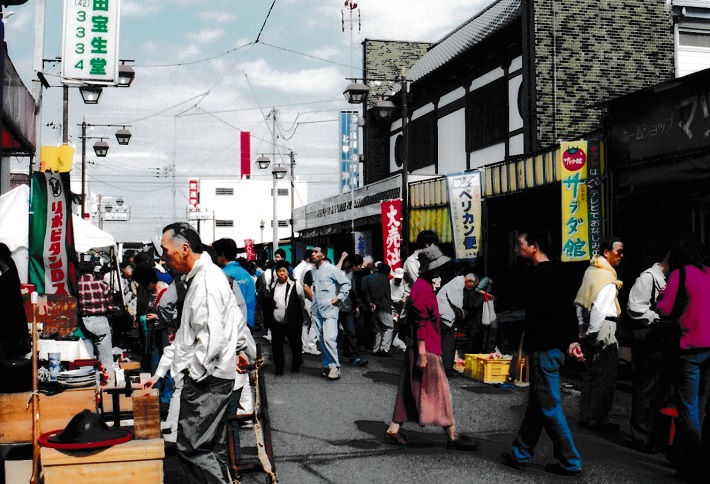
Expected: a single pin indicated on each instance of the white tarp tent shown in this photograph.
(14, 229)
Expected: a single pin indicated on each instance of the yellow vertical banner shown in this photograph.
(572, 163)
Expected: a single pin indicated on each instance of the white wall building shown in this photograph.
(240, 206)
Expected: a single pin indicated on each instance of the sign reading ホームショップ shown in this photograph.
(90, 41)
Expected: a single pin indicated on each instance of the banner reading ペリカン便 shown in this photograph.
(572, 164)
(465, 204)
(392, 232)
(52, 258)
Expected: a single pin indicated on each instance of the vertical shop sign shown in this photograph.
(90, 41)
(349, 173)
(465, 206)
(595, 159)
(363, 243)
(575, 213)
(249, 249)
(392, 232)
(52, 258)
(193, 192)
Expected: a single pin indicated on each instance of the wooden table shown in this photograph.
(135, 461)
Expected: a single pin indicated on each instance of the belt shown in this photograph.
(612, 318)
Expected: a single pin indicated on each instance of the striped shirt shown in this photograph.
(94, 296)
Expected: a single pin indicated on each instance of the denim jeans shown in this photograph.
(692, 390)
(544, 411)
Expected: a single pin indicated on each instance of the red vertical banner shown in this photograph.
(392, 232)
(249, 249)
(193, 192)
(245, 139)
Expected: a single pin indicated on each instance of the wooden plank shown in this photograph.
(145, 472)
(56, 412)
(133, 450)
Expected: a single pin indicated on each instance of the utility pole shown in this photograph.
(275, 194)
(293, 188)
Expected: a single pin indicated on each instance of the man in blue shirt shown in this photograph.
(226, 250)
(330, 288)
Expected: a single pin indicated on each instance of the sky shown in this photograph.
(201, 79)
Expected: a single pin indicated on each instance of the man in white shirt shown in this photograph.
(425, 238)
(211, 332)
(309, 333)
(651, 349)
(598, 313)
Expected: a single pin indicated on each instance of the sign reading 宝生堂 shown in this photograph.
(465, 203)
(90, 41)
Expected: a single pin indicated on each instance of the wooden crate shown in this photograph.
(135, 461)
(55, 412)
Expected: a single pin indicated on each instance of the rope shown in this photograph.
(258, 433)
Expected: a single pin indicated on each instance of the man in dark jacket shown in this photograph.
(379, 297)
(547, 336)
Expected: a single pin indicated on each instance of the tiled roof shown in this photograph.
(490, 20)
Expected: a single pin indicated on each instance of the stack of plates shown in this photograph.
(83, 377)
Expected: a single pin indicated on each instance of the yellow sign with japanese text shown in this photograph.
(572, 165)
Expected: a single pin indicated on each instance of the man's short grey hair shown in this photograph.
(184, 233)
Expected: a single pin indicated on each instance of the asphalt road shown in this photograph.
(331, 432)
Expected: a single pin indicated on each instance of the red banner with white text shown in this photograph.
(392, 232)
(249, 249)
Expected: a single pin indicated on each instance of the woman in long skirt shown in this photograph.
(424, 395)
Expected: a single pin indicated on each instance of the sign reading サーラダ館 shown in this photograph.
(90, 41)
(580, 166)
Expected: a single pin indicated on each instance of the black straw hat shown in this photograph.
(85, 427)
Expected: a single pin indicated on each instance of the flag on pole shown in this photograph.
(52, 256)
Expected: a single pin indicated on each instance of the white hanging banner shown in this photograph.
(90, 41)
(465, 204)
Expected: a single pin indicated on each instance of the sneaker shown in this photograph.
(511, 461)
(556, 468)
(358, 362)
(334, 373)
(267, 336)
(464, 443)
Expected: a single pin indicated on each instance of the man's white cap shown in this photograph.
(398, 273)
(471, 277)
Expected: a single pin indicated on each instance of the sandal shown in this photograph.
(395, 439)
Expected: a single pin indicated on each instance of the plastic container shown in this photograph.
(485, 369)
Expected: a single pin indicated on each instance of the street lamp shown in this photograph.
(126, 74)
(279, 172)
(101, 148)
(263, 162)
(262, 224)
(90, 94)
(355, 94)
(123, 136)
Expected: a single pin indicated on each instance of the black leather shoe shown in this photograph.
(463, 443)
(605, 427)
(395, 439)
(643, 447)
(556, 468)
(511, 461)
